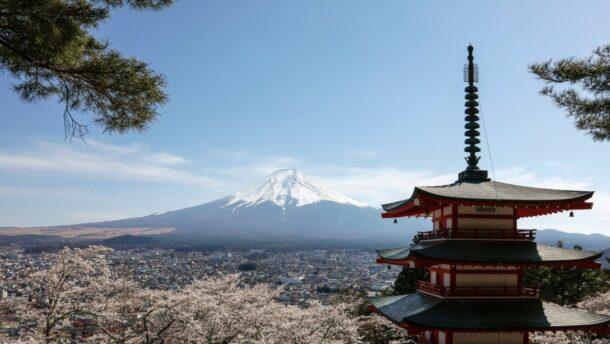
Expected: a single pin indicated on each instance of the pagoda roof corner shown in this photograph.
(487, 252)
(422, 311)
(488, 192)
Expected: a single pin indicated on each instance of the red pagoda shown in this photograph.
(476, 255)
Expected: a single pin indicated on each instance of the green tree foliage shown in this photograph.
(590, 107)
(416, 239)
(406, 281)
(48, 48)
(567, 286)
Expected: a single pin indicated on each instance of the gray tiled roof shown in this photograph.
(527, 313)
(477, 251)
(493, 191)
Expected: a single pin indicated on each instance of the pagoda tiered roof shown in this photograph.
(528, 201)
(488, 252)
(476, 254)
(418, 312)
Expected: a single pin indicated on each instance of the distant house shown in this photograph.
(3, 293)
(289, 281)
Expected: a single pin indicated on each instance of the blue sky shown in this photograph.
(365, 96)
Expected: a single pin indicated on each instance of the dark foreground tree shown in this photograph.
(47, 47)
(406, 281)
(589, 106)
(567, 286)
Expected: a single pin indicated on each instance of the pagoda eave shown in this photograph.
(419, 312)
(423, 207)
(527, 201)
(488, 253)
(414, 329)
(424, 262)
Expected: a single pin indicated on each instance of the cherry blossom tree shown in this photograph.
(598, 304)
(376, 329)
(72, 284)
(132, 314)
(215, 311)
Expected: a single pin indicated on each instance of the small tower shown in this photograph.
(476, 255)
(471, 75)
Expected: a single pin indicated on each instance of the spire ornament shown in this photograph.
(471, 76)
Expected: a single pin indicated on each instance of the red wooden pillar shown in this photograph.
(526, 337)
(454, 221)
(452, 279)
(449, 337)
(515, 231)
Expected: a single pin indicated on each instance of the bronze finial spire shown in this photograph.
(471, 75)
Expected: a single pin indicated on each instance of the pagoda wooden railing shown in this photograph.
(428, 287)
(527, 234)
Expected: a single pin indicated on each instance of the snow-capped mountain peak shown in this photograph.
(288, 187)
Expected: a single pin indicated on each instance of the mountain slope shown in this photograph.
(595, 242)
(287, 205)
(288, 188)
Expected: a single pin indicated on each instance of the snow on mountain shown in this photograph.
(286, 207)
(288, 187)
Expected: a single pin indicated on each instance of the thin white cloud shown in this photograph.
(586, 221)
(107, 147)
(375, 186)
(255, 168)
(520, 175)
(24, 192)
(228, 153)
(97, 216)
(362, 153)
(98, 160)
(370, 185)
(142, 152)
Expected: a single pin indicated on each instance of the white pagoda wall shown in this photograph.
(486, 280)
(484, 223)
(472, 210)
(470, 223)
(442, 337)
(486, 338)
(466, 218)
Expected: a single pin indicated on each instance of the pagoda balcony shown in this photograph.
(435, 289)
(525, 234)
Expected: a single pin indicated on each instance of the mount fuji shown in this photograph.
(286, 209)
(287, 206)
(286, 188)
